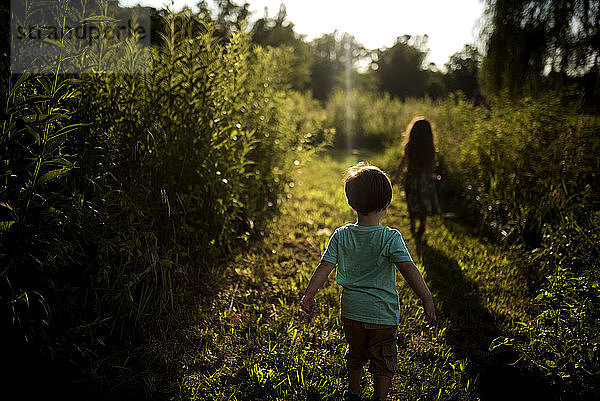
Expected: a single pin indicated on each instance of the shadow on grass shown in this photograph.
(530, 272)
(146, 369)
(470, 330)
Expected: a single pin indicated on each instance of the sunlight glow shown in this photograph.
(349, 116)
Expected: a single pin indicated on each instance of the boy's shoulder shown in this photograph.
(345, 227)
(393, 230)
(388, 231)
(392, 233)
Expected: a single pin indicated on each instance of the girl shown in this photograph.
(419, 158)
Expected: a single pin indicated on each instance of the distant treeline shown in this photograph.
(530, 48)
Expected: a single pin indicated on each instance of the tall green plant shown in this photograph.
(118, 187)
(44, 211)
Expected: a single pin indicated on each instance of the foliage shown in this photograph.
(118, 189)
(462, 71)
(521, 162)
(527, 38)
(400, 67)
(435, 83)
(43, 207)
(370, 119)
(333, 54)
(563, 340)
(228, 17)
(280, 32)
(486, 177)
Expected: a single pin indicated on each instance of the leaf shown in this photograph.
(65, 130)
(60, 161)
(99, 18)
(31, 129)
(55, 43)
(6, 205)
(50, 175)
(5, 225)
(22, 78)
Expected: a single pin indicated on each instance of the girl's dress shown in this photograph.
(421, 195)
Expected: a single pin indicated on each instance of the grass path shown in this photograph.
(249, 341)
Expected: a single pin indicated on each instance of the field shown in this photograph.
(157, 229)
(245, 337)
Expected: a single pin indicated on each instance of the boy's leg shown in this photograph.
(382, 386)
(354, 377)
(355, 356)
(383, 354)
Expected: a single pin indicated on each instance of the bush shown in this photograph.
(118, 189)
(512, 167)
(372, 120)
(563, 340)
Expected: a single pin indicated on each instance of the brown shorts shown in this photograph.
(375, 343)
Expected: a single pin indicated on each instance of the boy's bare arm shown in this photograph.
(316, 281)
(413, 277)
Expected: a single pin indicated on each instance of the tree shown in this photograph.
(435, 85)
(462, 70)
(228, 17)
(278, 32)
(332, 54)
(400, 67)
(528, 40)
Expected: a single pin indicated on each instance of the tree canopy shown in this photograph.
(400, 67)
(331, 54)
(279, 31)
(228, 16)
(530, 39)
(462, 70)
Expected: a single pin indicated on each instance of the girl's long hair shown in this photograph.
(419, 145)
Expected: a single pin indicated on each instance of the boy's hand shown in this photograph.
(316, 281)
(429, 312)
(308, 303)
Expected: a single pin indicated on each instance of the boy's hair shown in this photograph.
(368, 189)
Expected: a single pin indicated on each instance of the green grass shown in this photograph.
(248, 340)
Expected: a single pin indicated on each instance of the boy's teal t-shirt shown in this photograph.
(365, 257)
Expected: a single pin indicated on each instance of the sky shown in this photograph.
(450, 24)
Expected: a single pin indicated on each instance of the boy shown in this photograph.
(365, 254)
